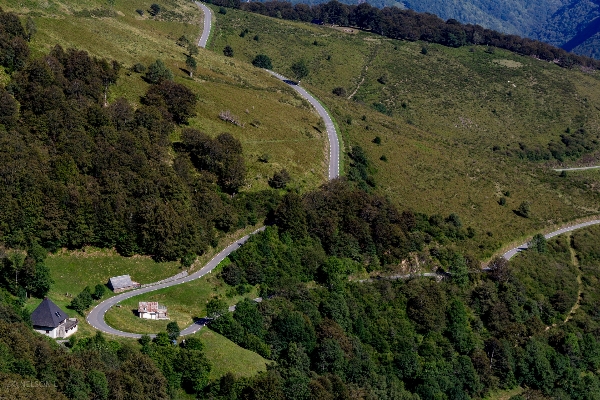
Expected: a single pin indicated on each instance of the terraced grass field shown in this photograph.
(451, 121)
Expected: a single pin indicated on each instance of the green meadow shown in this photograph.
(227, 357)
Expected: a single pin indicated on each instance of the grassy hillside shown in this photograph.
(221, 83)
(226, 356)
(450, 121)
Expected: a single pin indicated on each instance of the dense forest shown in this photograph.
(397, 23)
(458, 338)
(77, 170)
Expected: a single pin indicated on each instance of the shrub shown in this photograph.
(158, 71)
(538, 243)
(222, 10)
(228, 51)
(99, 290)
(339, 91)
(381, 108)
(188, 260)
(141, 12)
(377, 140)
(154, 9)
(139, 68)
(183, 41)
(524, 209)
(299, 69)
(179, 101)
(262, 61)
(280, 179)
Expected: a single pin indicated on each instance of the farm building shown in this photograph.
(152, 310)
(48, 319)
(121, 283)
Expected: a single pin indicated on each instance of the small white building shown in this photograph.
(152, 310)
(121, 283)
(48, 319)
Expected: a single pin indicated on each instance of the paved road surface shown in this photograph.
(576, 169)
(334, 145)
(96, 317)
(207, 24)
(511, 253)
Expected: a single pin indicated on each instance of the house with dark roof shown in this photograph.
(48, 319)
(121, 283)
(152, 310)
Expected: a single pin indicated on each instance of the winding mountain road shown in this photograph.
(207, 24)
(96, 317)
(332, 135)
(512, 252)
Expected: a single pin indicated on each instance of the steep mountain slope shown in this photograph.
(511, 16)
(459, 129)
(575, 27)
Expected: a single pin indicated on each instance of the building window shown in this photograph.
(47, 332)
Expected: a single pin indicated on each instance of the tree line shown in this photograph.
(406, 24)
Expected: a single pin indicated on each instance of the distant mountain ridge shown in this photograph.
(571, 24)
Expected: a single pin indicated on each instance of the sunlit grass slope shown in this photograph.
(450, 121)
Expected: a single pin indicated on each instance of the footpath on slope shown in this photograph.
(575, 263)
(576, 168)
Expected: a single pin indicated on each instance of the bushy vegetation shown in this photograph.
(24, 273)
